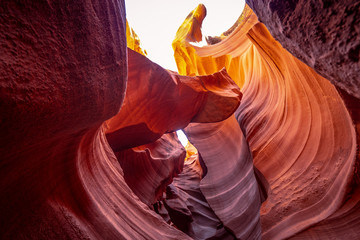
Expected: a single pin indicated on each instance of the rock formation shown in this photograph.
(64, 72)
(299, 130)
(159, 101)
(88, 149)
(230, 185)
(323, 34)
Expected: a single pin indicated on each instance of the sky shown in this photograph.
(157, 21)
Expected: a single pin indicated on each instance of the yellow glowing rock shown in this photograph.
(133, 41)
(190, 150)
(299, 130)
(192, 60)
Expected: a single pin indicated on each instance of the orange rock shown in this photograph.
(298, 128)
(149, 168)
(64, 173)
(63, 73)
(156, 102)
(159, 101)
(323, 35)
(133, 41)
(229, 186)
(187, 207)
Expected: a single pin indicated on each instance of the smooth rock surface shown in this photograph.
(83, 158)
(298, 128)
(159, 101)
(186, 205)
(230, 185)
(63, 71)
(323, 34)
(149, 168)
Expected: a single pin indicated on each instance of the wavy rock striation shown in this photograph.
(156, 102)
(87, 143)
(344, 222)
(298, 128)
(63, 73)
(323, 34)
(149, 168)
(186, 205)
(230, 186)
(159, 101)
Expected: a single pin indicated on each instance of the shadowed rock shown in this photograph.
(323, 34)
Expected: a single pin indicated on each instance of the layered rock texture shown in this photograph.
(323, 34)
(63, 73)
(88, 145)
(297, 125)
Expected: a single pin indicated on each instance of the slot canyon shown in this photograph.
(271, 109)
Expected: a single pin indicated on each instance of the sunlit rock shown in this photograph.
(87, 127)
(64, 69)
(159, 101)
(133, 41)
(323, 34)
(299, 130)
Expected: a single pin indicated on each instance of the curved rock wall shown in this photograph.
(159, 101)
(63, 73)
(230, 186)
(186, 205)
(299, 130)
(323, 34)
(85, 157)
